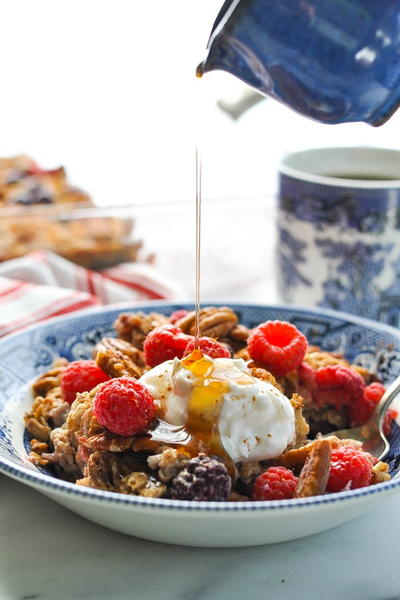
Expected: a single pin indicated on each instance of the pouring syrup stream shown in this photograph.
(200, 433)
(198, 247)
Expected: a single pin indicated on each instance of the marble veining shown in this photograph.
(49, 553)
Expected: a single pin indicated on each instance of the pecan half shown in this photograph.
(50, 379)
(134, 327)
(314, 475)
(38, 428)
(214, 322)
(118, 358)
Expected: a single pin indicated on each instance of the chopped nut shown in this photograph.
(134, 482)
(102, 471)
(48, 409)
(37, 459)
(59, 413)
(64, 452)
(380, 473)
(314, 475)
(168, 463)
(38, 446)
(141, 484)
(301, 426)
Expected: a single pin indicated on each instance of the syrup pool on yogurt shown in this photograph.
(216, 406)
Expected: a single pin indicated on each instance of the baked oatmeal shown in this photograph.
(40, 209)
(237, 416)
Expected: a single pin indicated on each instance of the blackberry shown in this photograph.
(203, 478)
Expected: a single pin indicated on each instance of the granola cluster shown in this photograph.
(69, 439)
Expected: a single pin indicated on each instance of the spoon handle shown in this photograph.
(386, 400)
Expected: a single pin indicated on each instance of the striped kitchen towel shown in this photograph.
(41, 285)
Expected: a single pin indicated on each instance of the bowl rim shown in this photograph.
(44, 481)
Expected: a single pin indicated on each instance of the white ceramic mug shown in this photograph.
(339, 230)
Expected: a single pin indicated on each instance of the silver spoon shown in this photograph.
(371, 433)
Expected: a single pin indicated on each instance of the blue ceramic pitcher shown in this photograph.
(331, 60)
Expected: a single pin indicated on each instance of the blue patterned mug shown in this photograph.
(339, 231)
(332, 60)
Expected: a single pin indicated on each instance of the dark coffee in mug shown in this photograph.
(361, 176)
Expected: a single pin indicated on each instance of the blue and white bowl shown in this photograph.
(25, 355)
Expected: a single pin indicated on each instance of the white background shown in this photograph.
(107, 88)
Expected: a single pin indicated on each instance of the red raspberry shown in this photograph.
(374, 392)
(178, 314)
(306, 378)
(124, 406)
(337, 386)
(80, 376)
(164, 343)
(278, 346)
(351, 468)
(277, 483)
(210, 347)
(361, 410)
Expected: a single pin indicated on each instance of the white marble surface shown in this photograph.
(49, 553)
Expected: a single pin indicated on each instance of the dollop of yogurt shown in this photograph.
(253, 419)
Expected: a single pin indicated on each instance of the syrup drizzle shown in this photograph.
(198, 247)
(200, 432)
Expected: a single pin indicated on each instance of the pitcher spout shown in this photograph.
(229, 54)
(333, 62)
